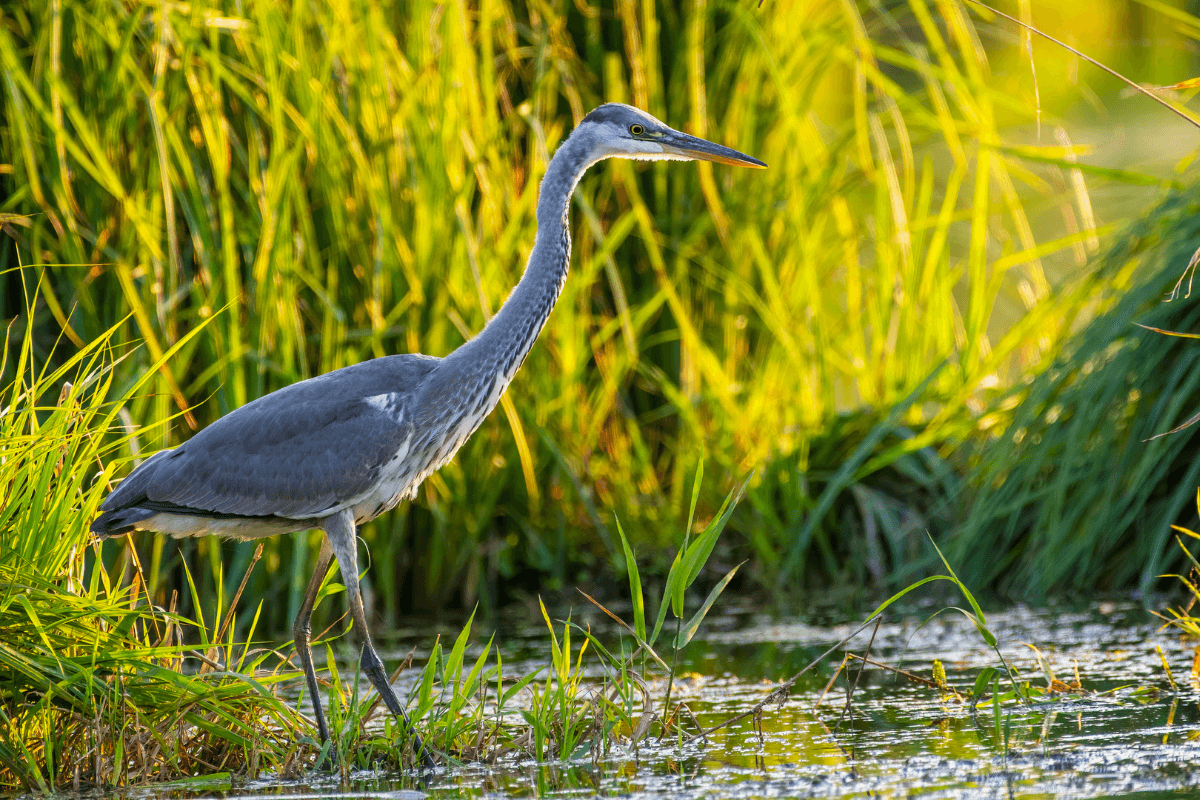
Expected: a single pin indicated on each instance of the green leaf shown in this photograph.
(556, 653)
(519, 685)
(674, 579)
(600, 648)
(454, 659)
(679, 588)
(981, 682)
(425, 688)
(217, 730)
(697, 554)
(996, 706)
(468, 685)
(689, 630)
(979, 620)
(215, 781)
(635, 585)
(690, 560)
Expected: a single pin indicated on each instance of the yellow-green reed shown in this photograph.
(93, 693)
(1082, 487)
(322, 183)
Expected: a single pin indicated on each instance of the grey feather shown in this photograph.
(294, 453)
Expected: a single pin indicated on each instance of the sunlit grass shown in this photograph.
(94, 691)
(103, 688)
(257, 193)
(329, 183)
(1079, 490)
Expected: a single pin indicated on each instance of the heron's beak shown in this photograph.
(702, 150)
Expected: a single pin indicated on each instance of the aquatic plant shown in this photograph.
(92, 687)
(105, 691)
(100, 687)
(1183, 618)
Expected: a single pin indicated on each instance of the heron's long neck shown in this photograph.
(503, 344)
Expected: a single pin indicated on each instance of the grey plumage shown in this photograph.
(297, 454)
(337, 450)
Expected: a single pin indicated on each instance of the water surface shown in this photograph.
(1129, 734)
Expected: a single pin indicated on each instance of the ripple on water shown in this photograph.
(897, 739)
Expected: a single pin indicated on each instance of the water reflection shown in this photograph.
(1129, 735)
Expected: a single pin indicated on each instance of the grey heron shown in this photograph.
(338, 450)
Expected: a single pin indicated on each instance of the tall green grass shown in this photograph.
(92, 687)
(323, 183)
(1080, 491)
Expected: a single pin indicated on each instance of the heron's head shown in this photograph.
(621, 131)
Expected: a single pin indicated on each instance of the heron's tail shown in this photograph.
(118, 521)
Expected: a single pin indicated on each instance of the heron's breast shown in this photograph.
(457, 425)
(470, 418)
(397, 480)
(428, 449)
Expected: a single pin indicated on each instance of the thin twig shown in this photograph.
(238, 594)
(217, 665)
(832, 679)
(216, 642)
(625, 625)
(905, 673)
(1191, 268)
(858, 676)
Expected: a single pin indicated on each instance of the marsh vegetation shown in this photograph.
(919, 326)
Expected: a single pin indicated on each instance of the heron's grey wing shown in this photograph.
(300, 452)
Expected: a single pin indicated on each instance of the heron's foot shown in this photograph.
(372, 666)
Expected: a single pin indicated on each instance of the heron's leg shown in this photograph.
(340, 531)
(302, 631)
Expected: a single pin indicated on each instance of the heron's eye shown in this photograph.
(637, 130)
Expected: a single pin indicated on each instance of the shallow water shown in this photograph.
(1130, 735)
